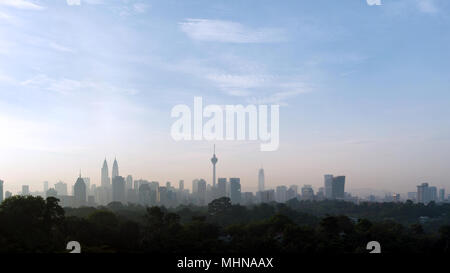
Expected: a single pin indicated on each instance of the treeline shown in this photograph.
(31, 224)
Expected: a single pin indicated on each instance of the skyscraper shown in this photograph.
(281, 194)
(45, 186)
(115, 169)
(181, 185)
(338, 187)
(118, 189)
(441, 195)
(79, 192)
(423, 193)
(1, 191)
(235, 190)
(261, 180)
(328, 186)
(214, 160)
(105, 175)
(221, 187)
(201, 192)
(25, 190)
(129, 184)
(61, 188)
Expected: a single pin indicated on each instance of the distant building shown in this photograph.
(129, 182)
(442, 195)
(79, 191)
(396, 197)
(61, 188)
(267, 196)
(87, 182)
(235, 190)
(307, 193)
(281, 194)
(8, 194)
(51, 193)
(115, 169)
(106, 182)
(147, 195)
(247, 198)
(118, 189)
(1, 191)
(426, 194)
(201, 192)
(261, 181)
(25, 190)
(181, 185)
(412, 196)
(45, 186)
(221, 187)
(328, 186)
(338, 187)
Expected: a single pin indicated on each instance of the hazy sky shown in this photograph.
(363, 87)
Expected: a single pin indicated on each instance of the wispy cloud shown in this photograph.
(230, 32)
(73, 2)
(373, 2)
(21, 4)
(427, 6)
(69, 86)
(61, 48)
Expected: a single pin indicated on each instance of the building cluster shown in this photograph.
(116, 188)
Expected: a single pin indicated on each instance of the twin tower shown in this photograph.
(106, 180)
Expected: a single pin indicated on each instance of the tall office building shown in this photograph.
(61, 188)
(118, 189)
(129, 182)
(201, 192)
(441, 195)
(115, 169)
(221, 187)
(87, 182)
(261, 180)
(1, 191)
(235, 190)
(338, 187)
(25, 190)
(181, 185)
(328, 186)
(45, 186)
(281, 194)
(79, 192)
(105, 175)
(214, 160)
(307, 193)
(423, 193)
(433, 194)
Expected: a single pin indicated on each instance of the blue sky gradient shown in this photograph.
(363, 87)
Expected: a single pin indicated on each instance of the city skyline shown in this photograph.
(362, 89)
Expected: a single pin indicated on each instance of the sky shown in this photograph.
(363, 89)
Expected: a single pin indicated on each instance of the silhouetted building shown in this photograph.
(129, 182)
(328, 186)
(281, 194)
(221, 187)
(61, 188)
(338, 187)
(201, 192)
(235, 190)
(115, 169)
(8, 194)
(214, 160)
(441, 195)
(51, 193)
(25, 190)
(1, 191)
(261, 182)
(79, 190)
(106, 182)
(307, 193)
(118, 189)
